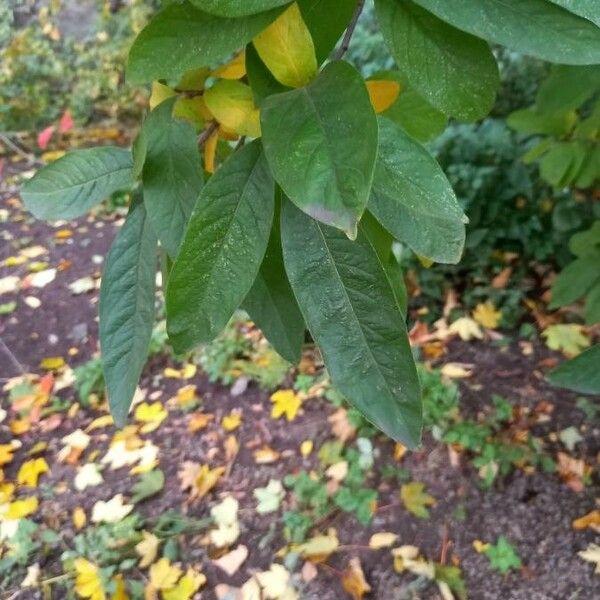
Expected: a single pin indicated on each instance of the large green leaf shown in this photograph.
(581, 374)
(237, 8)
(413, 199)
(127, 309)
(321, 143)
(261, 80)
(589, 9)
(172, 174)
(181, 37)
(592, 303)
(575, 280)
(568, 87)
(223, 248)
(70, 186)
(326, 20)
(456, 72)
(271, 303)
(535, 27)
(352, 314)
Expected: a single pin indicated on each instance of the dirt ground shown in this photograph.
(534, 511)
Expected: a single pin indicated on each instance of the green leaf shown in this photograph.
(172, 174)
(586, 243)
(353, 316)
(412, 112)
(413, 199)
(415, 499)
(580, 374)
(223, 248)
(584, 8)
(326, 24)
(534, 27)
(321, 144)
(261, 80)
(567, 87)
(127, 309)
(456, 72)
(271, 303)
(568, 338)
(237, 8)
(70, 186)
(533, 121)
(181, 38)
(575, 280)
(149, 484)
(502, 556)
(561, 164)
(592, 303)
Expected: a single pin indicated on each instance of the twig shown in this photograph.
(207, 133)
(339, 53)
(8, 142)
(12, 358)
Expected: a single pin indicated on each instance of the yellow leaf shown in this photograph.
(120, 589)
(52, 362)
(276, 583)
(30, 471)
(306, 447)
(232, 421)
(79, 518)
(187, 372)
(382, 93)
(6, 453)
(569, 339)
(318, 548)
(100, 423)
(234, 69)
(160, 93)
(353, 580)
(6, 492)
(592, 554)
(416, 500)
(466, 328)
(163, 575)
(266, 455)
(207, 479)
(187, 586)
(383, 539)
(20, 426)
(150, 414)
(232, 104)
(88, 583)
(210, 152)
(112, 511)
(479, 546)
(487, 315)
(186, 396)
(286, 47)
(20, 508)
(285, 402)
(455, 371)
(147, 549)
(198, 421)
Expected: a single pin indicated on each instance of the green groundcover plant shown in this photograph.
(295, 219)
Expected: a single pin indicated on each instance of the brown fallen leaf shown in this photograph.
(592, 519)
(341, 426)
(353, 580)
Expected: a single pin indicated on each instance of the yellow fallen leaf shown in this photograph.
(19, 509)
(198, 421)
(87, 476)
(592, 554)
(150, 414)
(79, 518)
(353, 580)
(306, 447)
(6, 453)
(30, 471)
(147, 549)
(186, 372)
(234, 69)
(186, 587)
(88, 583)
(20, 426)
(479, 546)
(232, 421)
(225, 518)
(164, 575)
(319, 548)
(285, 402)
(232, 105)
(52, 363)
(455, 371)
(415, 499)
(382, 93)
(120, 588)
(592, 519)
(100, 423)
(287, 49)
(112, 511)
(276, 583)
(383, 539)
(7, 491)
(487, 315)
(207, 479)
(466, 328)
(266, 456)
(186, 396)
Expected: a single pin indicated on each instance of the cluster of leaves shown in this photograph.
(43, 71)
(566, 115)
(297, 224)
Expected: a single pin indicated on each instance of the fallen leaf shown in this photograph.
(30, 471)
(52, 363)
(79, 518)
(353, 580)
(592, 554)
(269, 497)
(87, 476)
(112, 511)
(592, 519)
(341, 426)
(225, 518)
(9, 285)
(383, 539)
(147, 549)
(150, 414)
(487, 315)
(266, 456)
(186, 587)
(232, 561)
(88, 583)
(415, 499)
(232, 421)
(41, 279)
(456, 370)
(466, 328)
(569, 339)
(276, 583)
(285, 402)
(319, 548)
(164, 575)
(19, 508)
(198, 421)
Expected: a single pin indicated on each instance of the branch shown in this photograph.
(207, 133)
(339, 53)
(11, 357)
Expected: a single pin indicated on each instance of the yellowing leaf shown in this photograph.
(210, 151)
(415, 499)
(30, 471)
(79, 518)
(186, 587)
(286, 47)
(147, 549)
(198, 421)
(232, 105)
(234, 69)
(52, 362)
(164, 575)
(382, 93)
(206, 480)
(285, 402)
(479, 546)
(19, 509)
(569, 339)
(112, 511)
(382, 540)
(353, 580)
(487, 315)
(120, 589)
(88, 583)
(466, 328)
(232, 421)
(160, 93)
(150, 414)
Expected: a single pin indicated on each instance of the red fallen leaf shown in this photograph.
(43, 138)
(51, 423)
(419, 334)
(66, 122)
(46, 383)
